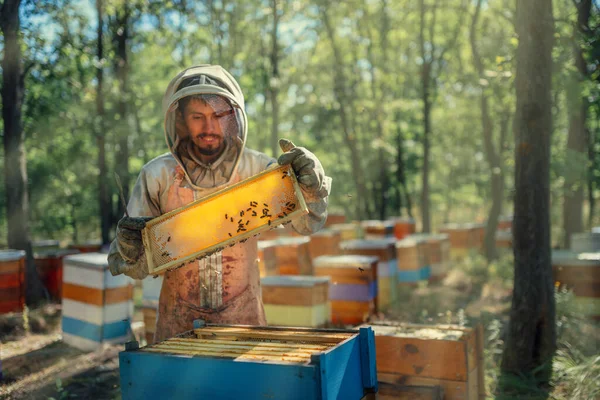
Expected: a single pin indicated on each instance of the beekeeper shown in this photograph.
(205, 129)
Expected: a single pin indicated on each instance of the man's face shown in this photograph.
(208, 122)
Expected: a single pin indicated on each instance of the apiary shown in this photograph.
(385, 251)
(151, 288)
(348, 231)
(96, 307)
(446, 356)
(291, 256)
(296, 300)
(353, 289)
(326, 242)
(246, 362)
(579, 272)
(233, 214)
(12, 281)
(403, 227)
(49, 265)
(375, 229)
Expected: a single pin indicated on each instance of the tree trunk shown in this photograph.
(492, 154)
(400, 167)
(274, 83)
(577, 137)
(426, 99)
(15, 162)
(122, 71)
(531, 335)
(103, 193)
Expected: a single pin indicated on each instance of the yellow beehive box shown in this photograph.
(222, 219)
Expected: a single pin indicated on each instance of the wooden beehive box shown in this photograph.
(222, 219)
(267, 261)
(504, 239)
(246, 362)
(413, 264)
(375, 229)
(505, 223)
(348, 231)
(296, 300)
(463, 238)
(12, 281)
(579, 272)
(437, 255)
(403, 227)
(335, 218)
(325, 242)
(353, 291)
(587, 242)
(97, 307)
(291, 254)
(49, 265)
(447, 356)
(385, 251)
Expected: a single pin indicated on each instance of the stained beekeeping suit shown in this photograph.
(205, 130)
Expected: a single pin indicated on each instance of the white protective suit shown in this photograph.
(225, 287)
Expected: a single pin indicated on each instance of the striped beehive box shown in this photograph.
(325, 242)
(296, 300)
(150, 295)
(437, 247)
(292, 256)
(252, 363)
(12, 281)
(335, 218)
(375, 229)
(446, 356)
(579, 272)
(385, 251)
(49, 265)
(413, 262)
(403, 227)
(349, 231)
(587, 242)
(353, 289)
(267, 261)
(96, 307)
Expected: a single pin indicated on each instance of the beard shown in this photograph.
(209, 149)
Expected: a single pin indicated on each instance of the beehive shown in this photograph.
(385, 251)
(581, 273)
(49, 265)
(421, 355)
(504, 239)
(296, 300)
(505, 223)
(325, 242)
(267, 260)
(244, 362)
(12, 281)
(437, 248)
(151, 288)
(353, 289)
(403, 227)
(587, 242)
(413, 262)
(335, 218)
(96, 306)
(464, 238)
(291, 256)
(349, 231)
(222, 219)
(375, 229)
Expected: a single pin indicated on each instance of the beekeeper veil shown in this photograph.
(204, 116)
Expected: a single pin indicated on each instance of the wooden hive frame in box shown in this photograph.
(249, 362)
(222, 219)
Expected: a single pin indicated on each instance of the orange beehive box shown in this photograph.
(448, 356)
(403, 227)
(222, 219)
(324, 242)
(12, 281)
(49, 265)
(335, 218)
(267, 260)
(291, 256)
(375, 229)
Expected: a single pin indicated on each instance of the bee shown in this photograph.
(225, 216)
(360, 269)
(165, 254)
(230, 235)
(242, 213)
(269, 222)
(266, 205)
(169, 239)
(254, 214)
(231, 219)
(249, 209)
(247, 222)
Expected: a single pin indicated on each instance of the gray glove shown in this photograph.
(129, 238)
(307, 167)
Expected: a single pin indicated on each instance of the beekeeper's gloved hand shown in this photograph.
(129, 238)
(307, 167)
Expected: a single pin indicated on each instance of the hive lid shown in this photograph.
(11, 255)
(344, 261)
(55, 253)
(419, 332)
(363, 244)
(293, 280)
(571, 258)
(88, 260)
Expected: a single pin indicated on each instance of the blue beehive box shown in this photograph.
(249, 362)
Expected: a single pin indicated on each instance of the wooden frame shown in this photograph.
(151, 249)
